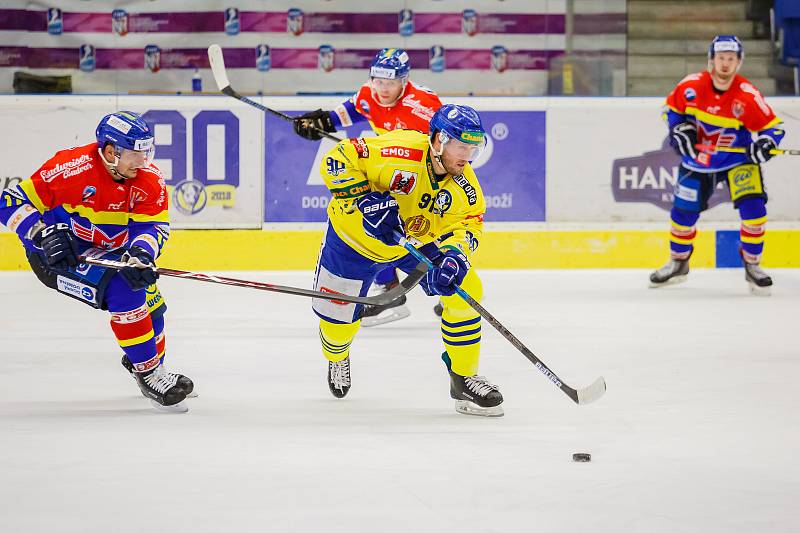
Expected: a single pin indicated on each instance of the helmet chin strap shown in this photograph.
(438, 155)
(112, 167)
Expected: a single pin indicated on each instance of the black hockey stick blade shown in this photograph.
(386, 298)
(217, 62)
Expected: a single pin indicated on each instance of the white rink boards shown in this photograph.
(698, 430)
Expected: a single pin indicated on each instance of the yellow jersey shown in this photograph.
(449, 210)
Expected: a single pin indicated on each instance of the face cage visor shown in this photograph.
(465, 151)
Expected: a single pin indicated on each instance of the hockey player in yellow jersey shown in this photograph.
(419, 186)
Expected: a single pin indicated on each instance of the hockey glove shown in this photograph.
(58, 245)
(381, 217)
(758, 152)
(447, 272)
(683, 137)
(139, 272)
(307, 125)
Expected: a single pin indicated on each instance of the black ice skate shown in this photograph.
(339, 377)
(474, 395)
(184, 382)
(673, 272)
(759, 281)
(162, 388)
(375, 315)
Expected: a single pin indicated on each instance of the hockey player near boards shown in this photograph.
(420, 186)
(389, 101)
(719, 108)
(105, 199)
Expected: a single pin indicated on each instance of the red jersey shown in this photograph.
(74, 187)
(413, 110)
(728, 118)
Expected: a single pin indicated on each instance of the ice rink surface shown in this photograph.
(699, 429)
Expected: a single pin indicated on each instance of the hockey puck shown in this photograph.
(581, 457)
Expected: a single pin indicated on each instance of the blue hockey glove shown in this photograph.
(758, 152)
(683, 137)
(58, 246)
(448, 271)
(140, 272)
(381, 217)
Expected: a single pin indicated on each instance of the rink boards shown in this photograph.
(569, 182)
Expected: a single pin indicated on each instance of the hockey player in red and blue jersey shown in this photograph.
(105, 199)
(706, 112)
(389, 101)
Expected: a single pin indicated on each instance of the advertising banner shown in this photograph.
(511, 170)
(208, 150)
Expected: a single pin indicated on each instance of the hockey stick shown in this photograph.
(379, 299)
(776, 151)
(579, 396)
(217, 63)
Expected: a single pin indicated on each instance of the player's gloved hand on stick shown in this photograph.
(307, 125)
(758, 152)
(447, 272)
(140, 272)
(381, 217)
(58, 245)
(683, 137)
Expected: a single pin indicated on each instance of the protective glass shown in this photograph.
(137, 158)
(461, 150)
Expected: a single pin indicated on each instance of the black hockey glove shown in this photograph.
(307, 125)
(58, 245)
(140, 271)
(758, 152)
(683, 137)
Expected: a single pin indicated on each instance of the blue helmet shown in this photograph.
(726, 43)
(458, 122)
(390, 63)
(125, 129)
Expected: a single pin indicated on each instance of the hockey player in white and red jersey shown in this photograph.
(705, 112)
(389, 101)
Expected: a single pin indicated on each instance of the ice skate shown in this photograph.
(759, 281)
(672, 273)
(474, 395)
(183, 381)
(339, 377)
(162, 388)
(374, 315)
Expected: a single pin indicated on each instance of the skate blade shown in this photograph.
(675, 280)
(179, 407)
(390, 315)
(192, 395)
(468, 408)
(755, 290)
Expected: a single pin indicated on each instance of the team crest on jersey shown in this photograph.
(737, 108)
(361, 147)
(403, 182)
(364, 106)
(97, 236)
(417, 225)
(334, 166)
(689, 93)
(442, 202)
